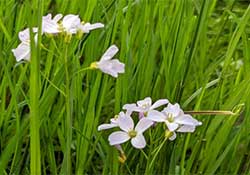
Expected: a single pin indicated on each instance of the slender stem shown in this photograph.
(209, 112)
(156, 153)
(68, 116)
(183, 156)
(83, 69)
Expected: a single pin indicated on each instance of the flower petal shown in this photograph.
(49, 26)
(131, 108)
(87, 27)
(159, 103)
(186, 128)
(172, 126)
(111, 67)
(118, 137)
(143, 125)
(106, 126)
(145, 102)
(187, 119)
(71, 23)
(22, 52)
(24, 35)
(175, 109)
(156, 116)
(57, 17)
(110, 52)
(173, 137)
(126, 123)
(138, 141)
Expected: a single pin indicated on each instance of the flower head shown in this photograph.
(128, 132)
(108, 65)
(175, 119)
(71, 23)
(22, 52)
(145, 105)
(50, 25)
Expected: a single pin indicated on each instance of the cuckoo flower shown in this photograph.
(113, 123)
(22, 52)
(71, 23)
(108, 65)
(144, 106)
(175, 119)
(50, 25)
(87, 27)
(128, 132)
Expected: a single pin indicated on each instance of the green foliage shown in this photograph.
(192, 52)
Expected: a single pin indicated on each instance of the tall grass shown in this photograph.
(192, 52)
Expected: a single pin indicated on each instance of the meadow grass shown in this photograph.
(193, 52)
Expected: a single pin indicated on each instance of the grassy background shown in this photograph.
(188, 51)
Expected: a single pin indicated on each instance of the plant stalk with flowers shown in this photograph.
(54, 93)
(174, 118)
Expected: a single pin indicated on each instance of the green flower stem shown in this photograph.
(67, 159)
(84, 69)
(210, 112)
(157, 152)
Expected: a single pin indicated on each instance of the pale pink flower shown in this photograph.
(175, 119)
(108, 65)
(49, 25)
(128, 132)
(22, 52)
(144, 106)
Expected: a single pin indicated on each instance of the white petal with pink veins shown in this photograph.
(156, 116)
(138, 141)
(126, 123)
(118, 137)
(159, 103)
(143, 125)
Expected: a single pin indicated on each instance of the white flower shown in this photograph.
(113, 123)
(144, 106)
(24, 35)
(128, 132)
(86, 27)
(175, 119)
(108, 65)
(50, 25)
(71, 23)
(22, 52)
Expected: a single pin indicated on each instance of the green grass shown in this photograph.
(182, 50)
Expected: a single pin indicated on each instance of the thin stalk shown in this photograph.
(68, 115)
(210, 112)
(156, 153)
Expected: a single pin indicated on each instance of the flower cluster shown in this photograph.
(172, 115)
(69, 25)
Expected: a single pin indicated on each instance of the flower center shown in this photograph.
(170, 118)
(145, 106)
(132, 133)
(93, 65)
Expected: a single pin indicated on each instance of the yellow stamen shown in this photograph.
(132, 133)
